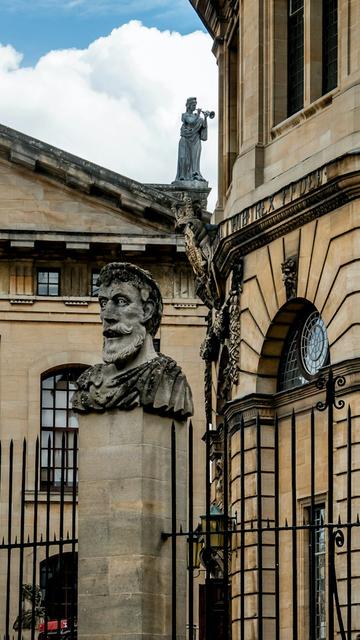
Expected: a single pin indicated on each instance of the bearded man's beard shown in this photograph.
(126, 344)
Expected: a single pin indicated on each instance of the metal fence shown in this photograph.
(268, 540)
(38, 548)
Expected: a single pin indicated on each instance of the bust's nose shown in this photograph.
(108, 314)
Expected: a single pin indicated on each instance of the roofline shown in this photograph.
(83, 175)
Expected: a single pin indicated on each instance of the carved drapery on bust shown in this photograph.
(133, 374)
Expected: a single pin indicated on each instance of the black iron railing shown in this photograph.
(276, 525)
(38, 548)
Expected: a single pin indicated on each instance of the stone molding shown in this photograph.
(316, 194)
(282, 403)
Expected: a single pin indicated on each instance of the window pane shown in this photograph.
(73, 420)
(61, 383)
(53, 290)
(61, 399)
(47, 399)
(53, 277)
(58, 439)
(48, 383)
(60, 418)
(330, 44)
(45, 435)
(295, 56)
(47, 418)
(43, 290)
(43, 277)
(46, 460)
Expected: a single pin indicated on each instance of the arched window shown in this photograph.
(58, 425)
(306, 350)
(58, 583)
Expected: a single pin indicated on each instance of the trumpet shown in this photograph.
(208, 114)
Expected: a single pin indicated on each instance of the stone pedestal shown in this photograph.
(196, 189)
(124, 506)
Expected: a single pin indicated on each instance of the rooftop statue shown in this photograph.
(132, 374)
(193, 132)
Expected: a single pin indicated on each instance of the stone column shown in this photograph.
(124, 506)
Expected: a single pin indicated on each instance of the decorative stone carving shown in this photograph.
(289, 271)
(198, 240)
(193, 131)
(133, 374)
(234, 322)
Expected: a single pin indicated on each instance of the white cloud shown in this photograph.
(117, 103)
(10, 59)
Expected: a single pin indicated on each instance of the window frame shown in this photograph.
(295, 27)
(294, 337)
(48, 270)
(315, 559)
(48, 433)
(327, 49)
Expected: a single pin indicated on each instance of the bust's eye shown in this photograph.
(120, 301)
(102, 302)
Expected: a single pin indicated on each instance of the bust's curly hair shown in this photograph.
(141, 279)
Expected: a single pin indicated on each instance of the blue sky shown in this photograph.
(107, 80)
(35, 27)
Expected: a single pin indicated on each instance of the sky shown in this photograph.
(107, 80)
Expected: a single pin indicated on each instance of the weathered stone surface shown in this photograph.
(124, 565)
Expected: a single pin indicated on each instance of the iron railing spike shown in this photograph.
(286, 523)
(357, 519)
(339, 520)
(268, 523)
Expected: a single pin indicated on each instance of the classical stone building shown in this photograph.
(62, 219)
(285, 277)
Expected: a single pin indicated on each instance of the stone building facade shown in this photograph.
(62, 219)
(288, 218)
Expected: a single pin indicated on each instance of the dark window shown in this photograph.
(48, 282)
(94, 278)
(330, 44)
(295, 55)
(58, 583)
(317, 563)
(58, 427)
(306, 350)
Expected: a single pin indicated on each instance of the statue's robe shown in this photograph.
(193, 131)
(159, 386)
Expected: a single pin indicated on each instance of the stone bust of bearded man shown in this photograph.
(133, 374)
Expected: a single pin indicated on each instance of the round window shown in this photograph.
(306, 350)
(314, 344)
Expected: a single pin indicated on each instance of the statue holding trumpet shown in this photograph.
(193, 132)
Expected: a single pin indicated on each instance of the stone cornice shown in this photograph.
(216, 14)
(87, 177)
(283, 402)
(310, 197)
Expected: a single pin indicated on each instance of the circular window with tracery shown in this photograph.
(314, 344)
(306, 350)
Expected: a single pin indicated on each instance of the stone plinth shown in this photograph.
(196, 189)
(124, 506)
